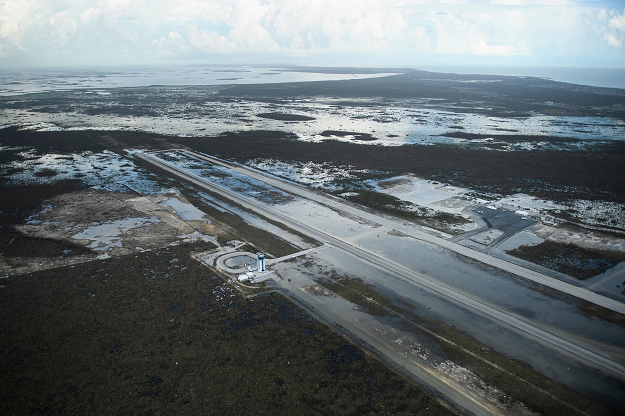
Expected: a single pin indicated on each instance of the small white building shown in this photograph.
(247, 276)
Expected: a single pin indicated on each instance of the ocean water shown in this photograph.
(596, 77)
(43, 80)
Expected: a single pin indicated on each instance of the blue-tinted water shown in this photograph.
(42, 80)
(596, 77)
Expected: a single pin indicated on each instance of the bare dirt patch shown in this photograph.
(588, 239)
(438, 220)
(317, 290)
(84, 225)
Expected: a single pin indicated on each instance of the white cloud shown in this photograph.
(351, 25)
(615, 31)
(252, 38)
(248, 22)
(35, 29)
(18, 20)
(171, 44)
(612, 40)
(618, 21)
(10, 34)
(195, 40)
(62, 26)
(115, 5)
(209, 42)
(532, 2)
(418, 39)
(184, 11)
(457, 36)
(90, 15)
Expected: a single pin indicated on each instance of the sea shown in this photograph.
(64, 79)
(27, 81)
(595, 77)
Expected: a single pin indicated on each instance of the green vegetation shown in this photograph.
(17, 203)
(155, 333)
(552, 174)
(238, 228)
(506, 97)
(403, 209)
(234, 225)
(569, 259)
(561, 176)
(514, 377)
(511, 138)
(358, 292)
(600, 312)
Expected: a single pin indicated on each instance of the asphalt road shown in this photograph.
(504, 317)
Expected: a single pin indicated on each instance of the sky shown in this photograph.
(569, 33)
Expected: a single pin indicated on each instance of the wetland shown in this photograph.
(98, 246)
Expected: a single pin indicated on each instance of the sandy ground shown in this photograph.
(443, 197)
(431, 194)
(109, 224)
(587, 239)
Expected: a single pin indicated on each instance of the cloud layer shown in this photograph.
(49, 32)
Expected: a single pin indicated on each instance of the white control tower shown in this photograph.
(261, 262)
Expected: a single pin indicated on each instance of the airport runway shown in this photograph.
(504, 317)
(338, 204)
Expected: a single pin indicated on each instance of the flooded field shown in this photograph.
(197, 111)
(472, 277)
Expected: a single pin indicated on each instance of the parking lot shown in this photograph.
(506, 221)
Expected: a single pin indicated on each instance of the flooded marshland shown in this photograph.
(201, 111)
(473, 141)
(127, 232)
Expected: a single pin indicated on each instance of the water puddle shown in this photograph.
(185, 210)
(524, 238)
(109, 234)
